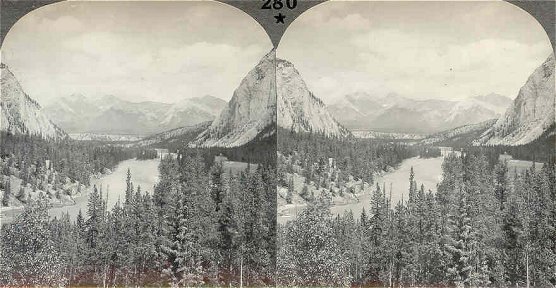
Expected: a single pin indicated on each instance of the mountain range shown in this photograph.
(20, 114)
(251, 110)
(112, 115)
(274, 94)
(394, 113)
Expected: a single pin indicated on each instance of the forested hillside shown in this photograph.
(30, 164)
(174, 139)
(542, 149)
(342, 166)
(483, 227)
(357, 157)
(200, 226)
(260, 150)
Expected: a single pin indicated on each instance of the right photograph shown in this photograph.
(415, 147)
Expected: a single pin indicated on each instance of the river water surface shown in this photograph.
(428, 171)
(144, 173)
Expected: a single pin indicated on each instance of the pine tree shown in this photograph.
(227, 230)
(171, 245)
(459, 240)
(7, 194)
(402, 245)
(412, 190)
(310, 254)
(129, 188)
(501, 183)
(29, 246)
(217, 184)
(290, 190)
(513, 240)
(95, 214)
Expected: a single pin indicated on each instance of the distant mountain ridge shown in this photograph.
(112, 115)
(394, 113)
(460, 136)
(366, 134)
(178, 137)
(20, 113)
(531, 113)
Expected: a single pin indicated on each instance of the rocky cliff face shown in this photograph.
(273, 85)
(298, 109)
(531, 113)
(21, 114)
(251, 110)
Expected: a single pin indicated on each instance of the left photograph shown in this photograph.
(137, 147)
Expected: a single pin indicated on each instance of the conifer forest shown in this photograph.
(200, 226)
(484, 227)
(277, 143)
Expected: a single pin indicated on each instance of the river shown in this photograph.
(428, 171)
(144, 173)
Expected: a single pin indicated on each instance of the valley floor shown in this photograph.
(428, 171)
(144, 174)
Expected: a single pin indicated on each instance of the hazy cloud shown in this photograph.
(420, 50)
(161, 51)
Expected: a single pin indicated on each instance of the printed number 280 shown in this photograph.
(278, 4)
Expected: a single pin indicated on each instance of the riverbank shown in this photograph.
(428, 171)
(144, 174)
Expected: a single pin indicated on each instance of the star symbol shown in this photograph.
(280, 18)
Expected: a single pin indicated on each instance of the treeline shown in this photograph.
(543, 149)
(484, 227)
(69, 158)
(199, 227)
(175, 139)
(145, 154)
(428, 151)
(40, 163)
(261, 150)
(360, 158)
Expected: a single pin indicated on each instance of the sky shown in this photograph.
(138, 51)
(421, 50)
